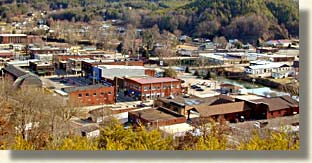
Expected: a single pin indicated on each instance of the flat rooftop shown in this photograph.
(13, 35)
(248, 97)
(156, 114)
(194, 100)
(149, 80)
(121, 67)
(82, 88)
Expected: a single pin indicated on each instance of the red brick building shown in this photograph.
(13, 38)
(151, 87)
(267, 108)
(92, 95)
(155, 117)
(231, 112)
(6, 54)
(41, 69)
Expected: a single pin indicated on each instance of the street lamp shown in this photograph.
(253, 85)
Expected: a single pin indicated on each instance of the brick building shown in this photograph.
(267, 108)
(6, 53)
(13, 38)
(41, 68)
(152, 88)
(92, 94)
(231, 112)
(183, 104)
(155, 117)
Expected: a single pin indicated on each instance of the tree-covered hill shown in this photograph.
(247, 20)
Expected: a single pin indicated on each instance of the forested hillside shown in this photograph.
(243, 19)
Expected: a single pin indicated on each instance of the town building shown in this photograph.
(155, 117)
(273, 107)
(74, 65)
(98, 94)
(6, 54)
(232, 112)
(183, 104)
(20, 77)
(89, 66)
(43, 57)
(151, 88)
(230, 88)
(266, 70)
(42, 68)
(13, 38)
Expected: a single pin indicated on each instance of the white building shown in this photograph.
(266, 70)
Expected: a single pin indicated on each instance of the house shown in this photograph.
(20, 77)
(266, 70)
(151, 88)
(91, 94)
(155, 117)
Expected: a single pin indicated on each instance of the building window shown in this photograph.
(87, 94)
(109, 93)
(145, 88)
(102, 93)
(79, 95)
(94, 94)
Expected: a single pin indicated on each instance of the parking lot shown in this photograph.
(208, 87)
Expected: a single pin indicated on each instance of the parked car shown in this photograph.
(194, 86)
(141, 105)
(224, 91)
(199, 89)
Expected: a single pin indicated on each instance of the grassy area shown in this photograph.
(172, 4)
(176, 3)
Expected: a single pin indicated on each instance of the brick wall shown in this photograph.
(158, 123)
(105, 95)
(157, 89)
